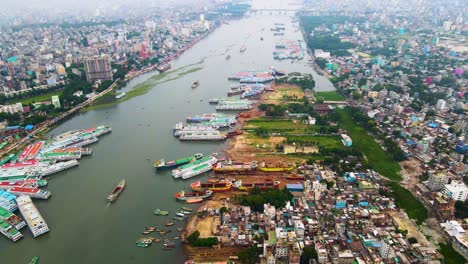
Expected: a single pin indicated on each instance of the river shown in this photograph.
(83, 229)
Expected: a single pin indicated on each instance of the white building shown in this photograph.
(13, 108)
(457, 190)
(56, 101)
(384, 249)
(318, 53)
(441, 104)
(299, 229)
(437, 181)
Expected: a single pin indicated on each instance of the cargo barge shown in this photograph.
(116, 192)
(229, 167)
(264, 185)
(212, 185)
(34, 219)
(160, 164)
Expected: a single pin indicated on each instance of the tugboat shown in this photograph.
(195, 84)
(115, 193)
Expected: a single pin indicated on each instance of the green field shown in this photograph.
(330, 96)
(269, 123)
(38, 98)
(450, 255)
(380, 160)
(322, 141)
(382, 163)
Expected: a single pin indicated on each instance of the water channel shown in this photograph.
(83, 229)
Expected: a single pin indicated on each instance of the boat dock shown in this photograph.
(34, 219)
(202, 136)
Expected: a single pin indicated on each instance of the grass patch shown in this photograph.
(328, 142)
(450, 255)
(268, 123)
(38, 98)
(406, 200)
(330, 96)
(383, 163)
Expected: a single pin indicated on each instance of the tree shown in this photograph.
(356, 95)
(461, 209)
(308, 254)
(412, 240)
(249, 255)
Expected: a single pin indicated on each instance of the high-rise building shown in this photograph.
(447, 25)
(437, 181)
(456, 190)
(98, 68)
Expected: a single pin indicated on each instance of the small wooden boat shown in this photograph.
(176, 238)
(194, 200)
(170, 224)
(195, 84)
(180, 214)
(180, 229)
(178, 218)
(187, 209)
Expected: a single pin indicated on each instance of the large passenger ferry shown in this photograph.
(195, 168)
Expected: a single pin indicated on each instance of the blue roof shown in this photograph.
(28, 127)
(411, 142)
(295, 186)
(433, 125)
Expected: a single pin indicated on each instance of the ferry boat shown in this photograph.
(195, 84)
(115, 193)
(144, 242)
(32, 192)
(195, 128)
(202, 136)
(8, 201)
(34, 219)
(243, 48)
(11, 218)
(160, 164)
(195, 168)
(9, 231)
(59, 166)
(6, 159)
(212, 185)
(235, 91)
(234, 105)
(216, 100)
(267, 184)
(229, 166)
(183, 196)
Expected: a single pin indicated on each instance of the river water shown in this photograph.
(83, 229)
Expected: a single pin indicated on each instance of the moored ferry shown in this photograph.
(10, 231)
(170, 164)
(195, 168)
(32, 192)
(11, 218)
(215, 186)
(183, 196)
(263, 167)
(36, 223)
(266, 184)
